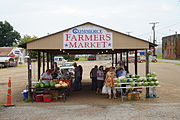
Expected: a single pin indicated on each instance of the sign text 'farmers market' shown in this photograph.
(87, 37)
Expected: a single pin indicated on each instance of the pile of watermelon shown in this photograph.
(46, 84)
(137, 80)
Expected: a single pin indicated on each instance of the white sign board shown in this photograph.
(87, 37)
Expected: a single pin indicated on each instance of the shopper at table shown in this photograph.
(77, 75)
(109, 82)
(100, 79)
(46, 76)
(93, 76)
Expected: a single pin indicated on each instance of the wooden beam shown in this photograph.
(147, 71)
(135, 63)
(147, 62)
(120, 56)
(127, 61)
(39, 64)
(116, 59)
(47, 60)
(43, 62)
(51, 60)
(29, 75)
(112, 60)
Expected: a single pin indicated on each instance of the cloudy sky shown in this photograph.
(40, 17)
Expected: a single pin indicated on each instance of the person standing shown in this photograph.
(77, 77)
(93, 76)
(100, 79)
(109, 82)
(81, 72)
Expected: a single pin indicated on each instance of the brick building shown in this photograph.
(171, 46)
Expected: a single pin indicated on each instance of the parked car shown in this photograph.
(8, 62)
(59, 60)
(69, 66)
(154, 60)
(141, 60)
(92, 58)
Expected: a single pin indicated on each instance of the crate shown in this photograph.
(47, 98)
(134, 96)
(39, 98)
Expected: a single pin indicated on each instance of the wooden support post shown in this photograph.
(127, 61)
(29, 75)
(147, 71)
(147, 62)
(121, 56)
(112, 59)
(43, 62)
(47, 60)
(39, 64)
(51, 60)
(116, 59)
(135, 62)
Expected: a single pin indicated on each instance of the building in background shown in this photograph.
(12, 52)
(171, 46)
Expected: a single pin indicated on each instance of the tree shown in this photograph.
(27, 38)
(8, 36)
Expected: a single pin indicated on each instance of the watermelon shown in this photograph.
(37, 85)
(150, 79)
(118, 85)
(153, 74)
(124, 80)
(137, 76)
(146, 84)
(47, 84)
(138, 80)
(52, 84)
(148, 75)
(139, 84)
(156, 83)
(132, 85)
(42, 85)
(127, 76)
(151, 83)
(130, 80)
(133, 76)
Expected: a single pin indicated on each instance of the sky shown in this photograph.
(42, 17)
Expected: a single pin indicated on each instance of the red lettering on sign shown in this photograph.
(95, 37)
(102, 37)
(67, 37)
(108, 37)
(73, 38)
(86, 45)
(92, 44)
(72, 45)
(88, 38)
(80, 38)
(80, 45)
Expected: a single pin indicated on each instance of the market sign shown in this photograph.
(87, 37)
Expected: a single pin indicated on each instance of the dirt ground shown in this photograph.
(167, 73)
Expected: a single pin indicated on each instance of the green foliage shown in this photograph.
(27, 38)
(8, 36)
(69, 57)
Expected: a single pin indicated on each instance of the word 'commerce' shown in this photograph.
(76, 31)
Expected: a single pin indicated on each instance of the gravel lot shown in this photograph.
(86, 105)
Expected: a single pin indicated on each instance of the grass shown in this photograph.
(82, 58)
(159, 56)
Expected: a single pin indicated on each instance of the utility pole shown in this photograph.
(154, 33)
(129, 33)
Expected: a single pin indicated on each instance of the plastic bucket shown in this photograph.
(25, 95)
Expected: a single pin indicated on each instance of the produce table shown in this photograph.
(64, 92)
(129, 87)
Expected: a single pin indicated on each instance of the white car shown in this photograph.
(69, 66)
(59, 60)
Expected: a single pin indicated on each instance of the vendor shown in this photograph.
(120, 72)
(47, 76)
